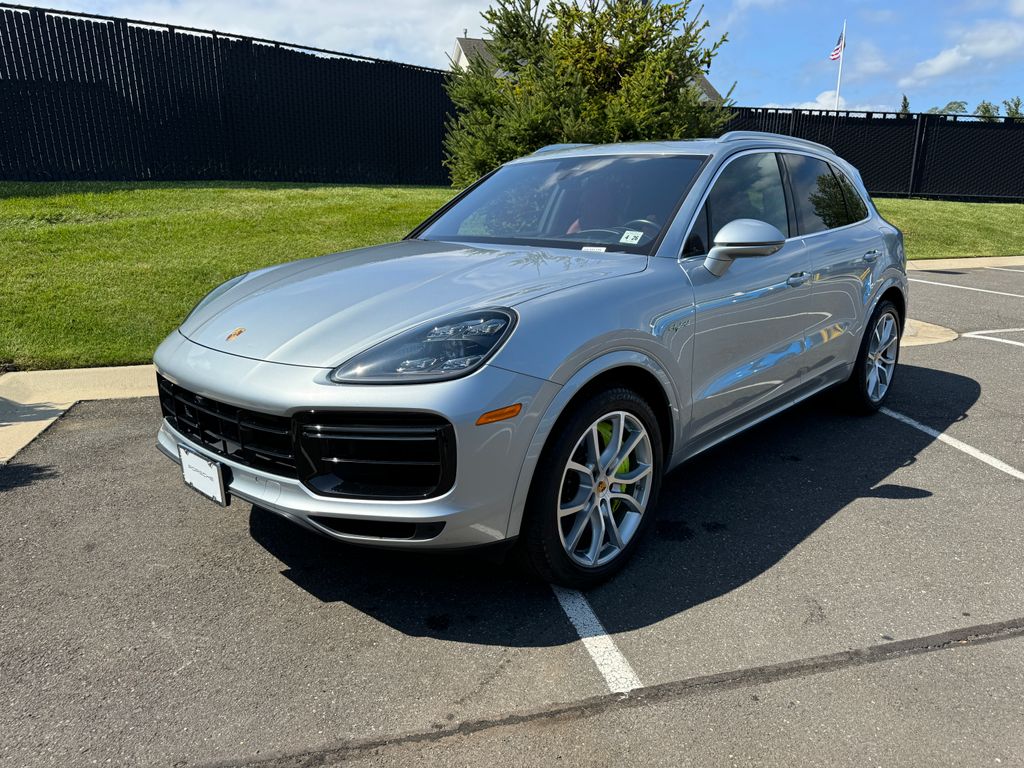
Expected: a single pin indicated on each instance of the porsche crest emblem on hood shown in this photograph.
(235, 334)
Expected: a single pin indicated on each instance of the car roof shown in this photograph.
(728, 142)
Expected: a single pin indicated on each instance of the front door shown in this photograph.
(752, 322)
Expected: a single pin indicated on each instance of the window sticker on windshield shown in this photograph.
(631, 236)
(598, 248)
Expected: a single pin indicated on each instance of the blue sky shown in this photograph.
(777, 52)
(935, 52)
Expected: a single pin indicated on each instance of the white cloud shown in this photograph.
(1017, 7)
(864, 59)
(945, 62)
(412, 32)
(827, 100)
(983, 42)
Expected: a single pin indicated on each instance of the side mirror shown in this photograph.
(740, 238)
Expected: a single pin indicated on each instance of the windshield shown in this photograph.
(613, 203)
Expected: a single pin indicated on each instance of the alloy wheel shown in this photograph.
(882, 350)
(605, 488)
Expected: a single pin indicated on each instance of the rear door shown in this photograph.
(833, 222)
(751, 321)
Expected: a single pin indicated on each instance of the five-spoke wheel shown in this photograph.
(873, 372)
(882, 348)
(595, 482)
(606, 485)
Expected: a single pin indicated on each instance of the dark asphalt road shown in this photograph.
(821, 590)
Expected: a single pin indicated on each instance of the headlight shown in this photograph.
(436, 351)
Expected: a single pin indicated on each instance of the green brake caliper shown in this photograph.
(604, 429)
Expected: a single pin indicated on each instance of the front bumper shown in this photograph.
(489, 458)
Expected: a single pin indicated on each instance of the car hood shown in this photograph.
(320, 312)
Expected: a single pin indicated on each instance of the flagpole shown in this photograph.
(842, 55)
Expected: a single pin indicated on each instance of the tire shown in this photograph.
(608, 527)
(862, 393)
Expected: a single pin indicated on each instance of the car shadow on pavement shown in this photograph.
(724, 518)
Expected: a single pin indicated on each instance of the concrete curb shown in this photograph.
(973, 262)
(30, 401)
(919, 333)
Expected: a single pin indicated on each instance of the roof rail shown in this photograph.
(755, 135)
(557, 147)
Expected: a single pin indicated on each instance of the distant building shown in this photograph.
(471, 47)
(467, 48)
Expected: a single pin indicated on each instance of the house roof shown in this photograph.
(709, 90)
(477, 46)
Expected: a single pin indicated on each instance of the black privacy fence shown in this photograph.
(89, 97)
(922, 155)
(93, 97)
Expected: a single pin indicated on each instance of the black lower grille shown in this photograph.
(250, 438)
(348, 454)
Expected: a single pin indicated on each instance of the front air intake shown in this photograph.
(347, 454)
(376, 455)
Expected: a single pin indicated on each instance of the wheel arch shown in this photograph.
(630, 369)
(895, 295)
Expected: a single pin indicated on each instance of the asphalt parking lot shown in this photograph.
(822, 589)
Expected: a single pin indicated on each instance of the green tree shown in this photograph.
(1014, 108)
(828, 201)
(952, 108)
(588, 71)
(987, 112)
(904, 106)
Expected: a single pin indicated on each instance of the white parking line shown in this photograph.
(965, 287)
(992, 461)
(613, 666)
(985, 335)
(1008, 269)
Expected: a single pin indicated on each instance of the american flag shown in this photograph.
(837, 52)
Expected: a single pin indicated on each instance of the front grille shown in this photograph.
(347, 454)
(253, 439)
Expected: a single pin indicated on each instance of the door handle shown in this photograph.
(798, 279)
(872, 255)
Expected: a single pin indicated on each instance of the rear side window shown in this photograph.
(854, 202)
(817, 194)
(750, 187)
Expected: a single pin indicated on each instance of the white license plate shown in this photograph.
(203, 475)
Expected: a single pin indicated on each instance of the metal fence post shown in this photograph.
(920, 132)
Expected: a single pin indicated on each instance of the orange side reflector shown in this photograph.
(508, 412)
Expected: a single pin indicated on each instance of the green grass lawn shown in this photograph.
(99, 273)
(937, 230)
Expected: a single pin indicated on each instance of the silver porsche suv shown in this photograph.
(528, 363)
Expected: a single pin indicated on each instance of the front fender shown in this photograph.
(573, 386)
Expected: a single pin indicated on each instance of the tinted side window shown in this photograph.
(854, 202)
(750, 187)
(820, 204)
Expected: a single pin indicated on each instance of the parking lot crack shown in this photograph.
(662, 692)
